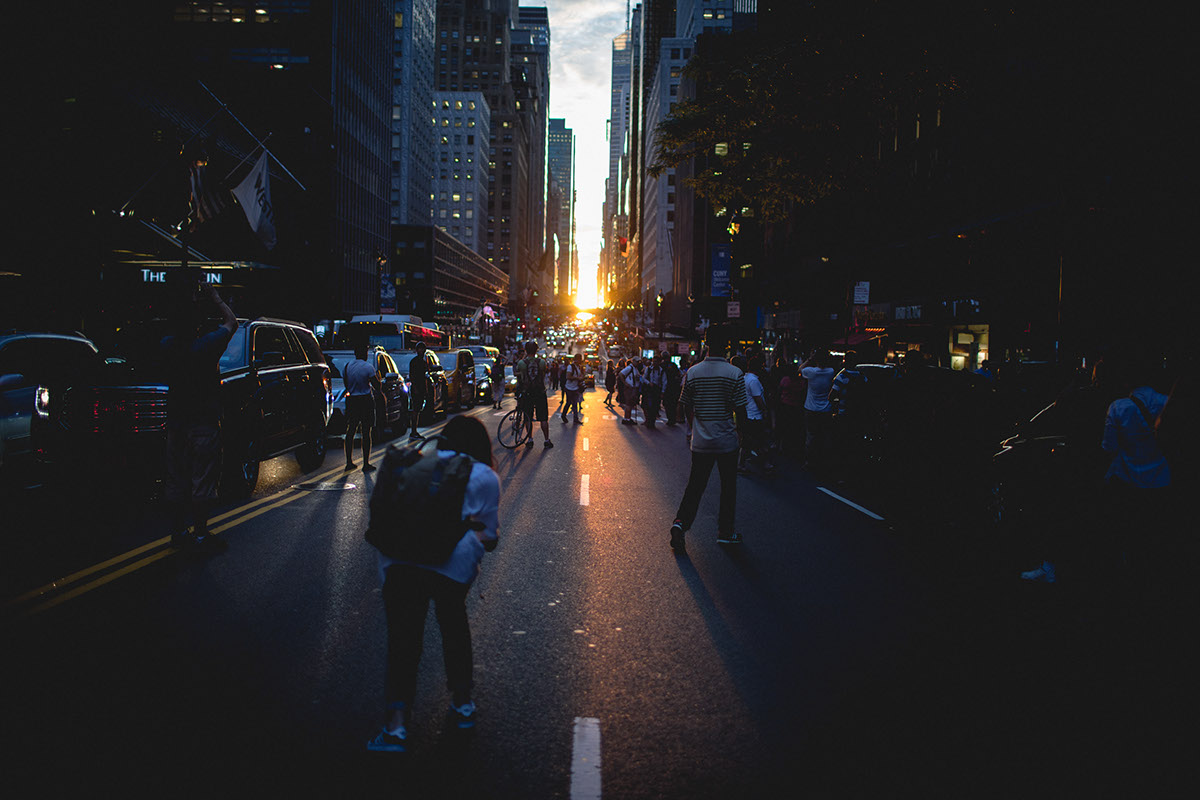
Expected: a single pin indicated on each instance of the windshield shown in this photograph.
(448, 360)
(394, 342)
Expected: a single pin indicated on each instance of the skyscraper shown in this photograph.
(562, 177)
(461, 131)
(414, 26)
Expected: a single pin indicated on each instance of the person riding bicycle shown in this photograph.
(531, 381)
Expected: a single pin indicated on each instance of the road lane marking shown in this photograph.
(584, 498)
(853, 505)
(585, 759)
(585, 444)
(159, 549)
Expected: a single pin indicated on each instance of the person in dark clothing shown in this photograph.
(673, 386)
(362, 384)
(418, 371)
(194, 417)
(610, 383)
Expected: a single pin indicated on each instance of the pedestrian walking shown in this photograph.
(408, 589)
(192, 354)
(631, 378)
(653, 384)
(531, 379)
(817, 410)
(672, 385)
(418, 379)
(573, 382)
(362, 383)
(497, 371)
(754, 440)
(712, 393)
(610, 383)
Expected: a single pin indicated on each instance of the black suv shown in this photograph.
(276, 398)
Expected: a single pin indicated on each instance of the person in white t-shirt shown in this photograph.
(817, 371)
(754, 440)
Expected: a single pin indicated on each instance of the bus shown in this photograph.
(390, 335)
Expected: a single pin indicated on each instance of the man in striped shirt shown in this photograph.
(713, 391)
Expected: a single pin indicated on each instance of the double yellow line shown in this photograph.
(81, 582)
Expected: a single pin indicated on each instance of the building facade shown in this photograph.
(440, 279)
(562, 178)
(461, 130)
(414, 30)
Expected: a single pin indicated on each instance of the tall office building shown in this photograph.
(658, 201)
(461, 131)
(531, 88)
(562, 178)
(414, 26)
(316, 77)
(616, 213)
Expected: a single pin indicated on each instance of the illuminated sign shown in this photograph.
(160, 276)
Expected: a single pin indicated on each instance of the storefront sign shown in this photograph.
(862, 293)
(722, 258)
(160, 276)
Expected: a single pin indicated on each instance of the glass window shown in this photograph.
(270, 339)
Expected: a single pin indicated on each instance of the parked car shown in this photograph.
(36, 370)
(436, 389)
(391, 406)
(459, 367)
(276, 398)
(483, 380)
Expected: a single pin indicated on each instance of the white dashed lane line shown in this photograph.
(585, 760)
(855, 506)
(584, 498)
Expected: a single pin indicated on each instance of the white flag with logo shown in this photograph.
(254, 195)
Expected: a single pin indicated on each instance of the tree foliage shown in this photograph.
(785, 120)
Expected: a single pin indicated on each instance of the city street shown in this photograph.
(832, 654)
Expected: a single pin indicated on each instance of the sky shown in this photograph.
(581, 34)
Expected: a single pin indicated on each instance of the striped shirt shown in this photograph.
(714, 389)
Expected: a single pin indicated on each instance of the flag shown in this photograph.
(254, 195)
(207, 201)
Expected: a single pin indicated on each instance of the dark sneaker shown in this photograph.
(677, 537)
(389, 742)
(182, 539)
(547, 444)
(350, 465)
(464, 715)
(209, 544)
(729, 538)
(529, 443)
(368, 467)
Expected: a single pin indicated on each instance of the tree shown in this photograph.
(780, 120)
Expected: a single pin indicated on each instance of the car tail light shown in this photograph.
(42, 402)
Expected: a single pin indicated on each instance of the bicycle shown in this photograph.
(514, 429)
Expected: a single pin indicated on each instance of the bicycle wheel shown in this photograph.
(512, 431)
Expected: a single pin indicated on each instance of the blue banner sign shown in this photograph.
(722, 259)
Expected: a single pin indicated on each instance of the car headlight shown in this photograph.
(41, 402)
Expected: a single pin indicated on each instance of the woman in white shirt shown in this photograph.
(817, 409)
(408, 588)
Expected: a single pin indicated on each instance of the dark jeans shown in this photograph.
(651, 397)
(702, 464)
(407, 591)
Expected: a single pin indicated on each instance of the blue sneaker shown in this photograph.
(464, 715)
(389, 741)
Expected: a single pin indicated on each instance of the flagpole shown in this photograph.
(182, 149)
(246, 157)
(252, 136)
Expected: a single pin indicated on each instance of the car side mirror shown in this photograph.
(271, 358)
(13, 380)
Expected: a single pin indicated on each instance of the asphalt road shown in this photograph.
(832, 654)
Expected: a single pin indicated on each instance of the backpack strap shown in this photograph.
(1150, 420)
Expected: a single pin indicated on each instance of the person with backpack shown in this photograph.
(531, 380)
(653, 382)
(410, 584)
(631, 378)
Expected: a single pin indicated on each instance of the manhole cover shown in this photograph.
(327, 487)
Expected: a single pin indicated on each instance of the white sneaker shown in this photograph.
(1043, 574)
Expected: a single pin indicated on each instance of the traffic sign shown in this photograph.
(733, 309)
